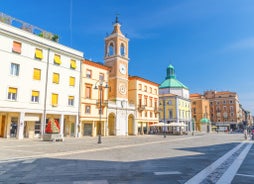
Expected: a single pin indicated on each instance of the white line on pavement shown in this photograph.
(228, 176)
(167, 173)
(246, 175)
(198, 178)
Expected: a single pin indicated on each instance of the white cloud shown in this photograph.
(246, 43)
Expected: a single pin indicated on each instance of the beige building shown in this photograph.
(144, 95)
(91, 121)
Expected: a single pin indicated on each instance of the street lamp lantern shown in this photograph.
(100, 84)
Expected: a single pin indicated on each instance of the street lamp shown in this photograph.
(164, 117)
(99, 85)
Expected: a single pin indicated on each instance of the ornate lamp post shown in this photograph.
(100, 84)
(164, 116)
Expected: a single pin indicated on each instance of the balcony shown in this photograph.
(104, 103)
(156, 110)
(141, 107)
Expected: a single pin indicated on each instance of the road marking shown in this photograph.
(247, 175)
(28, 161)
(198, 178)
(91, 182)
(167, 173)
(228, 176)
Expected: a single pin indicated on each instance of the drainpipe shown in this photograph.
(45, 98)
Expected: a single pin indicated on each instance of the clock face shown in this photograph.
(122, 69)
(122, 88)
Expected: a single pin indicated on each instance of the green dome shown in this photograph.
(171, 81)
(205, 120)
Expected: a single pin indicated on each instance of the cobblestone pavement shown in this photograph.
(133, 159)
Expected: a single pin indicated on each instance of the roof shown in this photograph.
(171, 81)
(143, 80)
(205, 120)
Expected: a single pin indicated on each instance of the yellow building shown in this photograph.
(92, 122)
(174, 101)
(144, 95)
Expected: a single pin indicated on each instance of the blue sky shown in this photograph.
(210, 43)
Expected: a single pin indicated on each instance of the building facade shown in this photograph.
(93, 118)
(225, 111)
(144, 95)
(39, 80)
(200, 109)
(174, 101)
(121, 113)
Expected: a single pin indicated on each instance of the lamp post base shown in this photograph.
(99, 139)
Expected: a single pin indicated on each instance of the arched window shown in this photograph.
(122, 50)
(111, 49)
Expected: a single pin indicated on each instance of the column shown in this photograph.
(77, 129)
(62, 125)
(21, 126)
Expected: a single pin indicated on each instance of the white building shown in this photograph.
(39, 80)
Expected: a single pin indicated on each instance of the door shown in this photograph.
(2, 127)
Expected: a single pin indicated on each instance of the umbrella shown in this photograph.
(177, 125)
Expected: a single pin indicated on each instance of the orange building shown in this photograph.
(225, 111)
(200, 110)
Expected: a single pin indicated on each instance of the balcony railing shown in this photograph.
(27, 27)
(141, 107)
(104, 103)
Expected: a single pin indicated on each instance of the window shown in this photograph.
(122, 50)
(38, 53)
(12, 93)
(151, 90)
(145, 102)
(54, 99)
(72, 81)
(155, 91)
(151, 102)
(170, 114)
(35, 96)
(169, 102)
(145, 88)
(88, 74)
(139, 100)
(87, 109)
(37, 74)
(111, 49)
(73, 64)
(16, 47)
(231, 108)
(101, 76)
(57, 59)
(140, 87)
(151, 114)
(88, 92)
(14, 69)
(71, 100)
(55, 78)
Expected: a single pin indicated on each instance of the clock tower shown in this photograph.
(121, 114)
(116, 57)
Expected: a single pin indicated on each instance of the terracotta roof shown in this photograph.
(143, 80)
(95, 64)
